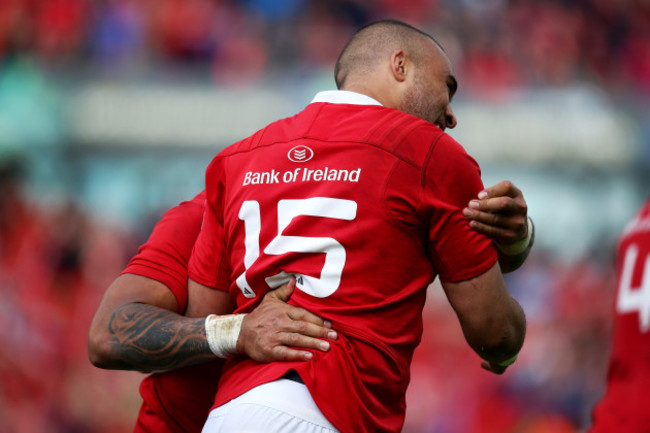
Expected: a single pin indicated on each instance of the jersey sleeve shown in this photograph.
(452, 179)
(165, 255)
(209, 263)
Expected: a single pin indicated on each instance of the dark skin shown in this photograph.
(138, 327)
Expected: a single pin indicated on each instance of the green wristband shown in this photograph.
(508, 361)
(518, 247)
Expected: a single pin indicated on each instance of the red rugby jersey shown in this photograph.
(626, 404)
(177, 401)
(363, 204)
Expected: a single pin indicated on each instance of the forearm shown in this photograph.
(492, 321)
(147, 338)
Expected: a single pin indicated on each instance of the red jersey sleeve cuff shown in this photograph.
(471, 272)
(177, 287)
(208, 282)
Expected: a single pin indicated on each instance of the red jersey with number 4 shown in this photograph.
(362, 203)
(177, 401)
(626, 404)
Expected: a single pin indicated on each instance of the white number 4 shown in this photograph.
(632, 299)
(335, 254)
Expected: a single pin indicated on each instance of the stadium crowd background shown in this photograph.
(85, 173)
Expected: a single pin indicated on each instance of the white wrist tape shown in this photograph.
(222, 333)
(518, 247)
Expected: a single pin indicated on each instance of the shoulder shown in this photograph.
(451, 172)
(407, 137)
(187, 212)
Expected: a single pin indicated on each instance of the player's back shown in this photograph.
(625, 406)
(362, 204)
(342, 196)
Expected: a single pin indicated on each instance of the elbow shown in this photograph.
(507, 345)
(106, 353)
(504, 340)
(99, 351)
(497, 338)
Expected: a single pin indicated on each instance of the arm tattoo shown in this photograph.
(148, 338)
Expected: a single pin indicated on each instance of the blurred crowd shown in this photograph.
(56, 260)
(494, 45)
(55, 264)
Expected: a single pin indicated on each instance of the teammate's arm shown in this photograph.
(137, 327)
(501, 213)
(492, 321)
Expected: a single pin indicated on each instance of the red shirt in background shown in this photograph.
(626, 404)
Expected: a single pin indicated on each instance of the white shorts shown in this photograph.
(275, 407)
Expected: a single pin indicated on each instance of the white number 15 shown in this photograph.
(335, 254)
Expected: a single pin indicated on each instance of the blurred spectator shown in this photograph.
(54, 266)
(550, 42)
(117, 33)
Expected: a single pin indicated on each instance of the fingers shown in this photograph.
(500, 213)
(299, 341)
(288, 346)
(273, 316)
(300, 327)
(514, 223)
(500, 218)
(284, 353)
(284, 292)
(302, 315)
(503, 197)
(503, 204)
(500, 234)
(296, 343)
(503, 188)
(276, 331)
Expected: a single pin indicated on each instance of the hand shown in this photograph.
(500, 212)
(276, 331)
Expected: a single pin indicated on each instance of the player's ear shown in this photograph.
(398, 65)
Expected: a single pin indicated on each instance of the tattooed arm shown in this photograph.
(137, 327)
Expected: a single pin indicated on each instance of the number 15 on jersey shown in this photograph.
(335, 254)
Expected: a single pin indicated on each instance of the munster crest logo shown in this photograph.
(300, 154)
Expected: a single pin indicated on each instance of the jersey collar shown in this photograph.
(344, 97)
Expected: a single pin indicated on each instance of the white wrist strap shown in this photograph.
(222, 333)
(518, 247)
